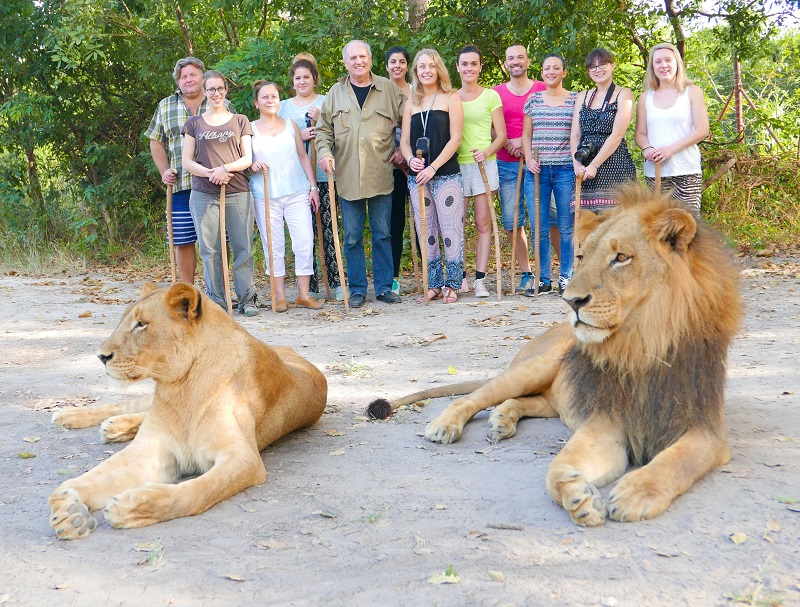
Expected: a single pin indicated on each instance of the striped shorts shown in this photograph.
(688, 189)
(182, 224)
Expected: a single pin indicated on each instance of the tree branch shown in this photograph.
(184, 30)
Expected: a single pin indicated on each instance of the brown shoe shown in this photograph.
(308, 302)
(280, 305)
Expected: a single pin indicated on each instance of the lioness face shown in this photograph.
(618, 268)
(145, 344)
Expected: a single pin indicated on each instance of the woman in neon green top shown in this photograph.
(483, 111)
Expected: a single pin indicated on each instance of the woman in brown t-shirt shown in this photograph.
(217, 150)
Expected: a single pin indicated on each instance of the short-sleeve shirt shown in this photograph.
(512, 112)
(477, 133)
(216, 145)
(166, 126)
(298, 113)
(551, 129)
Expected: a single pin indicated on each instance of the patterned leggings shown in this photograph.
(329, 251)
(444, 210)
(686, 188)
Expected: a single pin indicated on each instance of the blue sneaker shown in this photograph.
(525, 281)
(396, 287)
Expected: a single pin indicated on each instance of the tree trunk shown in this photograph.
(35, 192)
(184, 30)
(415, 13)
(95, 179)
(674, 17)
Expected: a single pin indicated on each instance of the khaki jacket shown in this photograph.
(361, 141)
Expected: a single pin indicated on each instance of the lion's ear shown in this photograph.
(587, 222)
(674, 227)
(184, 302)
(148, 288)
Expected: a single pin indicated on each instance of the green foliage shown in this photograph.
(79, 81)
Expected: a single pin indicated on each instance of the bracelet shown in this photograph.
(409, 159)
(314, 188)
(433, 168)
(645, 149)
(225, 168)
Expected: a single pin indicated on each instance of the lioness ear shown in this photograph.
(675, 228)
(148, 288)
(184, 302)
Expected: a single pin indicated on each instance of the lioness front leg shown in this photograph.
(121, 428)
(153, 503)
(648, 491)
(72, 504)
(528, 377)
(595, 456)
(504, 418)
(84, 417)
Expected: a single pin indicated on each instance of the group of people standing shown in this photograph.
(412, 135)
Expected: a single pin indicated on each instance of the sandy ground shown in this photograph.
(366, 513)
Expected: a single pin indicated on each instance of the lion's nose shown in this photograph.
(576, 303)
(104, 358)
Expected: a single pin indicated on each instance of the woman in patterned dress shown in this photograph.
(601, 118)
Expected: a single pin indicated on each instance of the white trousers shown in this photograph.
(294, 211)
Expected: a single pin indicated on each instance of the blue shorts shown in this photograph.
(182, 224)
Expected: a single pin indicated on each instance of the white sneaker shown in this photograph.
(563, 283)
(480, 288)
(339, 294)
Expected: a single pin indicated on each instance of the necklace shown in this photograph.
(271, 127)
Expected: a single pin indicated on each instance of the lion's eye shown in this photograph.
(620, 258)
(139, 325)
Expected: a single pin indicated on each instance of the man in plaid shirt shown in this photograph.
(166, 148)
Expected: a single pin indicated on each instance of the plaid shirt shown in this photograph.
(166, 126)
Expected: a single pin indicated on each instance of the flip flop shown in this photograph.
(437, 294)
(450, 296)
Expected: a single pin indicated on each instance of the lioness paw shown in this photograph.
(636, 497)
(138, 507)
(120, 428)
(74, 418)
(69, 516)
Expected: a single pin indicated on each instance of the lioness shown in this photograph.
(221, 396)
(638, 371)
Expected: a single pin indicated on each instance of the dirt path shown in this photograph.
(365, 513)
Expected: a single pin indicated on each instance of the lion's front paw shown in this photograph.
(501, 425)
(69, 516)
(120, 428)
(443, 430)
(637, 497)
(73, 418)
(138, 507)
(583, 502)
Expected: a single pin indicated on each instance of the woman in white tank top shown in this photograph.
(278, 146)
(671, 119)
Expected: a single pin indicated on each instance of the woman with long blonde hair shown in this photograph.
(432, 122)
(671, 119)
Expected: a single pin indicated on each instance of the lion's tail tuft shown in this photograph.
(379, 409)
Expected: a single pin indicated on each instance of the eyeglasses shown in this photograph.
(598, 66)
(215, 90)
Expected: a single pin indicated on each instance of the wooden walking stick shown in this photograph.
(514, 234)
(493, 214)
(319, 231)
(226, 279)
(268, 230)
(412, 234)
(658, 177)
(336, 245)
(170, 235)
(575, 245)
(423, 230)
(536, 230)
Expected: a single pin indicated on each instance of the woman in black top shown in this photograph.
(433, 119)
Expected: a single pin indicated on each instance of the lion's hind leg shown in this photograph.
(121, 428)
(84, 417)
(504, 418)
(595, 456)
(642, 494)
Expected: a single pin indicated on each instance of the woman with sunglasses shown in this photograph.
(601, 118)
(217, 149)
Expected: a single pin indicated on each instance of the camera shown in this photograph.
(423, 145)
(587, 150)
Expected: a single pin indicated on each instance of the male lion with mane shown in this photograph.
(221, 396)
(638, 371)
